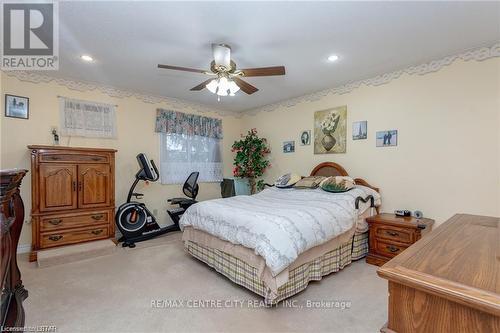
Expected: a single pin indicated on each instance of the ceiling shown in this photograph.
(128, 40)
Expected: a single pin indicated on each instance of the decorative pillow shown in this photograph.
(309, 182)
(287, 180)
(337, 184)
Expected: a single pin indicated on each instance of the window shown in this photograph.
(189, 143)
(182, 154)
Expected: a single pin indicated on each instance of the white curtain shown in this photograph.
(88, 119)
(182, 154)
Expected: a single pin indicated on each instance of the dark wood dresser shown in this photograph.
(449, 281)
(11, 223)
(72, 196)
(390, 235)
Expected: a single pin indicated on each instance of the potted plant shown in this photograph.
(250, 161)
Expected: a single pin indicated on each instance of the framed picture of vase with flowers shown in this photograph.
(330, 131)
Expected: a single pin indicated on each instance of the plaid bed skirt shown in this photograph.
(247, 276)
(360, 246)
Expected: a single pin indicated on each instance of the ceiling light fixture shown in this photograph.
(87, 58)
(333, 58)
(222, 87)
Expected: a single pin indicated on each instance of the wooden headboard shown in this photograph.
(329, 169)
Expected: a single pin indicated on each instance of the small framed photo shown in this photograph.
(305, 138)
(17, 106)
(359, 130)
(387, 138)
(289, 146)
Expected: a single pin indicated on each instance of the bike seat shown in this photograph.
(182, 201)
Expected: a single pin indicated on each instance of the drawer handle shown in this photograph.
(97, 217)
(392, 233)
(97, 232)
(392, 248)
(96, 158)
(55, 238)
(55, 222)
(55, 158)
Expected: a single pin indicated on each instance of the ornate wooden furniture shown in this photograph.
(390, 235)
(11, 223)
(72, 195)
(449, 281)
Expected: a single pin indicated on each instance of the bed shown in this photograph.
(275, 242)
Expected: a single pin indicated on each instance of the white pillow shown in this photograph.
(287, 180)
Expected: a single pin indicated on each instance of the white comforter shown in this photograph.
(279, 224)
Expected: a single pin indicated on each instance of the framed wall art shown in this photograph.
(305, 138)
(330, 131)
(289, 146)
(17, 106)
(387, 138)
(359, 130)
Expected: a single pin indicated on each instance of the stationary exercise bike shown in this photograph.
(133, 219)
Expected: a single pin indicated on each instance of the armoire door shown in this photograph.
(93, 185)
(58, 187)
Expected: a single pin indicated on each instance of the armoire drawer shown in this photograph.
(73, 236)
(74, 158)
(58, 222)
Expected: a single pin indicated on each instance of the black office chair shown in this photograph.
(190, 190)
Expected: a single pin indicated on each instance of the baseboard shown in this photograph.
(23, 248)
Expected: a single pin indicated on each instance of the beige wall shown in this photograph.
(447, 159)
(135, 134)
(448, 155)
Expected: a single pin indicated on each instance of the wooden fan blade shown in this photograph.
(264, 71)
(185, 69)
(201, 85)
(245, 86)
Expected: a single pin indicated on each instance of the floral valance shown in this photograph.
(182, 123)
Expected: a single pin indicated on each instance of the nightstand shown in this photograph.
(390, 235)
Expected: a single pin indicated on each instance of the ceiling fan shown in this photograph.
(227, 80)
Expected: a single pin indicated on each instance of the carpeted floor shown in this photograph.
(114, 293)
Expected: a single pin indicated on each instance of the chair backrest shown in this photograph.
(191, 187)
(227, 188)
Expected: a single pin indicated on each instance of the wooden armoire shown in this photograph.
(72, 195)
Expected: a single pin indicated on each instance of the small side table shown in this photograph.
(390, 235)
